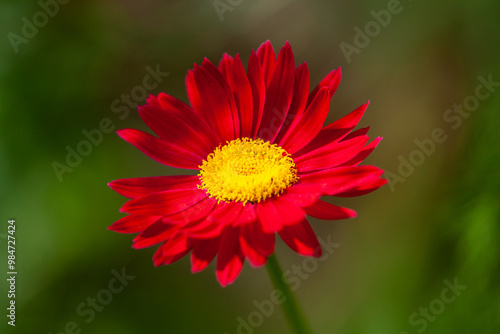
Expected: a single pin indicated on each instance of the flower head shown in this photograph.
(264, 161)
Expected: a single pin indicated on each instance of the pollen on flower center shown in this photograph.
(247, 170)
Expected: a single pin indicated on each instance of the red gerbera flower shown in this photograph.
(264, 160)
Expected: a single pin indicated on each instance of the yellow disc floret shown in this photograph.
(247, 170)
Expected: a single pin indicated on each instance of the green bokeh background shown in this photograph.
(440, 224)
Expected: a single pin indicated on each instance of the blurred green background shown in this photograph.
(436, 225)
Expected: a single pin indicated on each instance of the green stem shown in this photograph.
(292, 311)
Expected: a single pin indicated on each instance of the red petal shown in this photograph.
(133, 223)
(193, 213)
(171, 105)
(226, 66)
(335, 131)
(211, 101)
(278, 95)
(290, 213)
(330, 155)
(341, 179)
(310, 123)
(365, 152)
(137, 187)
(169, 259)
(247, 215)
(255, 244)
(173, 249)
(179, 243)
(160, 150)
(269, 217)
(207, 64)
(226, 213)
(204, 252)
(301, 238)
(254, 256)
(331, 81)
(193, 92)
(325, 210)
(230, 258)
(237, 79)
(164, 203)
(358, 133)
(256, 80)
(267, 58)
(203, 229)
(154, 234)
(302, 194)
(174, 130)
(363, 189)
(297, 107)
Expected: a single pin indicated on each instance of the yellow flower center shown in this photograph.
(247, 170)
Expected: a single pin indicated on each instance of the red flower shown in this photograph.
(264, 160)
